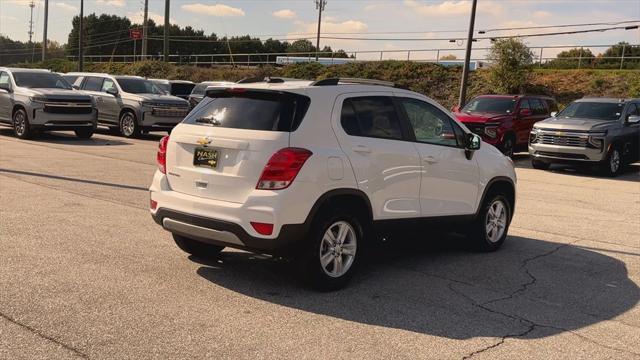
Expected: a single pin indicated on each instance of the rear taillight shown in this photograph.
(161, 157)
(282, 168)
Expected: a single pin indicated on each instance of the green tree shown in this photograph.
(612, 56)
(511, 65)
(572, 59)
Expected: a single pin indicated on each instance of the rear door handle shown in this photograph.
(362, 149)
(430, 159)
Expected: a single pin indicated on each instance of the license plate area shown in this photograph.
(205, 157)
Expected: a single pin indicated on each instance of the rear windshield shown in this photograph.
(181, 89)
(592, 110)
(41, 80)
(253, 110)
(491, 105)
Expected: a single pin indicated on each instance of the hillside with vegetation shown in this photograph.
(436, 81)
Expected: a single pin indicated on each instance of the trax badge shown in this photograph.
(204, 141)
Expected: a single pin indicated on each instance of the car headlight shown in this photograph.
(597, 139)
(147, 103)
(491, 132)
(533, 136)
(38, 99)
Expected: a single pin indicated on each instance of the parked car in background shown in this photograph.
(33, 100)
(321, 170)
(131, 104)
(179, 88)
(505, 121)
(198, 91)
(589, 131)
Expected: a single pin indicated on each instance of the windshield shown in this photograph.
(165, 87)
(41, 80)
(491, 105)
(592, 110)
(138, 86)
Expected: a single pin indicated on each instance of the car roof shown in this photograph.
(502, 96)
(606, 99)
(86, 74)
(12, 69)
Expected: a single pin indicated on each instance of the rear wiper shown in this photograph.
(208, 120)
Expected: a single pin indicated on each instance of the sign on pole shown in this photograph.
(135, 34)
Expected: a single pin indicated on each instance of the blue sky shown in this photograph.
(289, 18)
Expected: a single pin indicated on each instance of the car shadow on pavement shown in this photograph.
(67, 138)
(446, 291)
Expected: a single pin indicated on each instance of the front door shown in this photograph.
(110, 104)
(385, 164)
(449, 183)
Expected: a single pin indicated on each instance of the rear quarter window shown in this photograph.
(252, 110)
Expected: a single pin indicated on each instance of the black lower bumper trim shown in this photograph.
(284, 243)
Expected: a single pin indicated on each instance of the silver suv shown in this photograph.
(33, 100)
(600, 131)
(131, 104)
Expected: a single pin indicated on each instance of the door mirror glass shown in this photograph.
(5, 88)
(525, 112)
(473, 142)
(554, 113)
(633, 119)
(112, 91)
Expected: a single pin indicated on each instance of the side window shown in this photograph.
(524, 104)
(93, 83)
(537, 106)
(634, 109)
(371, 116)
(4, 80)
(107, 84)
(430, 125)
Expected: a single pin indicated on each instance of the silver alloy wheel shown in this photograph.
(127, 124)
(19, 123)
(338, 249)
(496, 221)
(614, 161)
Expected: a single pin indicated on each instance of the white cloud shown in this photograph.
(138, 17)
(452, 7)
(65, 6)
(116, 3)
(349, 26)
(219, 10)
(284, 14)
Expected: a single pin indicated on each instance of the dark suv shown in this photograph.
(505, 121)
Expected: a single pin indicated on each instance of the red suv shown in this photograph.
(505, 121)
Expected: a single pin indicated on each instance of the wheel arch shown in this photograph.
(131, 110)
(353, 197)
(502, 184)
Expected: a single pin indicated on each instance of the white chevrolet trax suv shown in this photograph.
(320, 170)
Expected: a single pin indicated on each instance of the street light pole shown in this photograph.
(320, 4)
(80, 36)
(465, 70)
(44, 32)
(144, 29)
(167, 5)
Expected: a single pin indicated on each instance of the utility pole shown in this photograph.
(465, 70)
(80, 36)
(167, 5)
(320, 4)
(44, 32)
(144, 29)
(31, 5)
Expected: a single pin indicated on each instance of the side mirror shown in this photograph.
(633, 119)
(112, 91)
(525, 112)
(5, 88)
(471, 143)
(554, 113)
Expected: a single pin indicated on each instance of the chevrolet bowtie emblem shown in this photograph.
(204, 141)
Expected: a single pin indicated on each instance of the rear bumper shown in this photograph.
(223, 233)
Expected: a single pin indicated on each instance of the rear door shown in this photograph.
(386, 165)
(239, 131)
(449, 183)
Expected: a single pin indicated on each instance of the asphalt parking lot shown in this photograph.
(85, 272)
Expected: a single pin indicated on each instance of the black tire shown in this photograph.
(197, 248)
(508, 145)
(610, 166)
(128, 125)
(84, 133)
(540, 165)
(21, 126)
(308, 259)
(478, 235)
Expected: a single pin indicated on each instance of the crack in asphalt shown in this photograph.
(45, 336)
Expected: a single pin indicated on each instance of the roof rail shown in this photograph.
(338, 81)
(268, 80)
